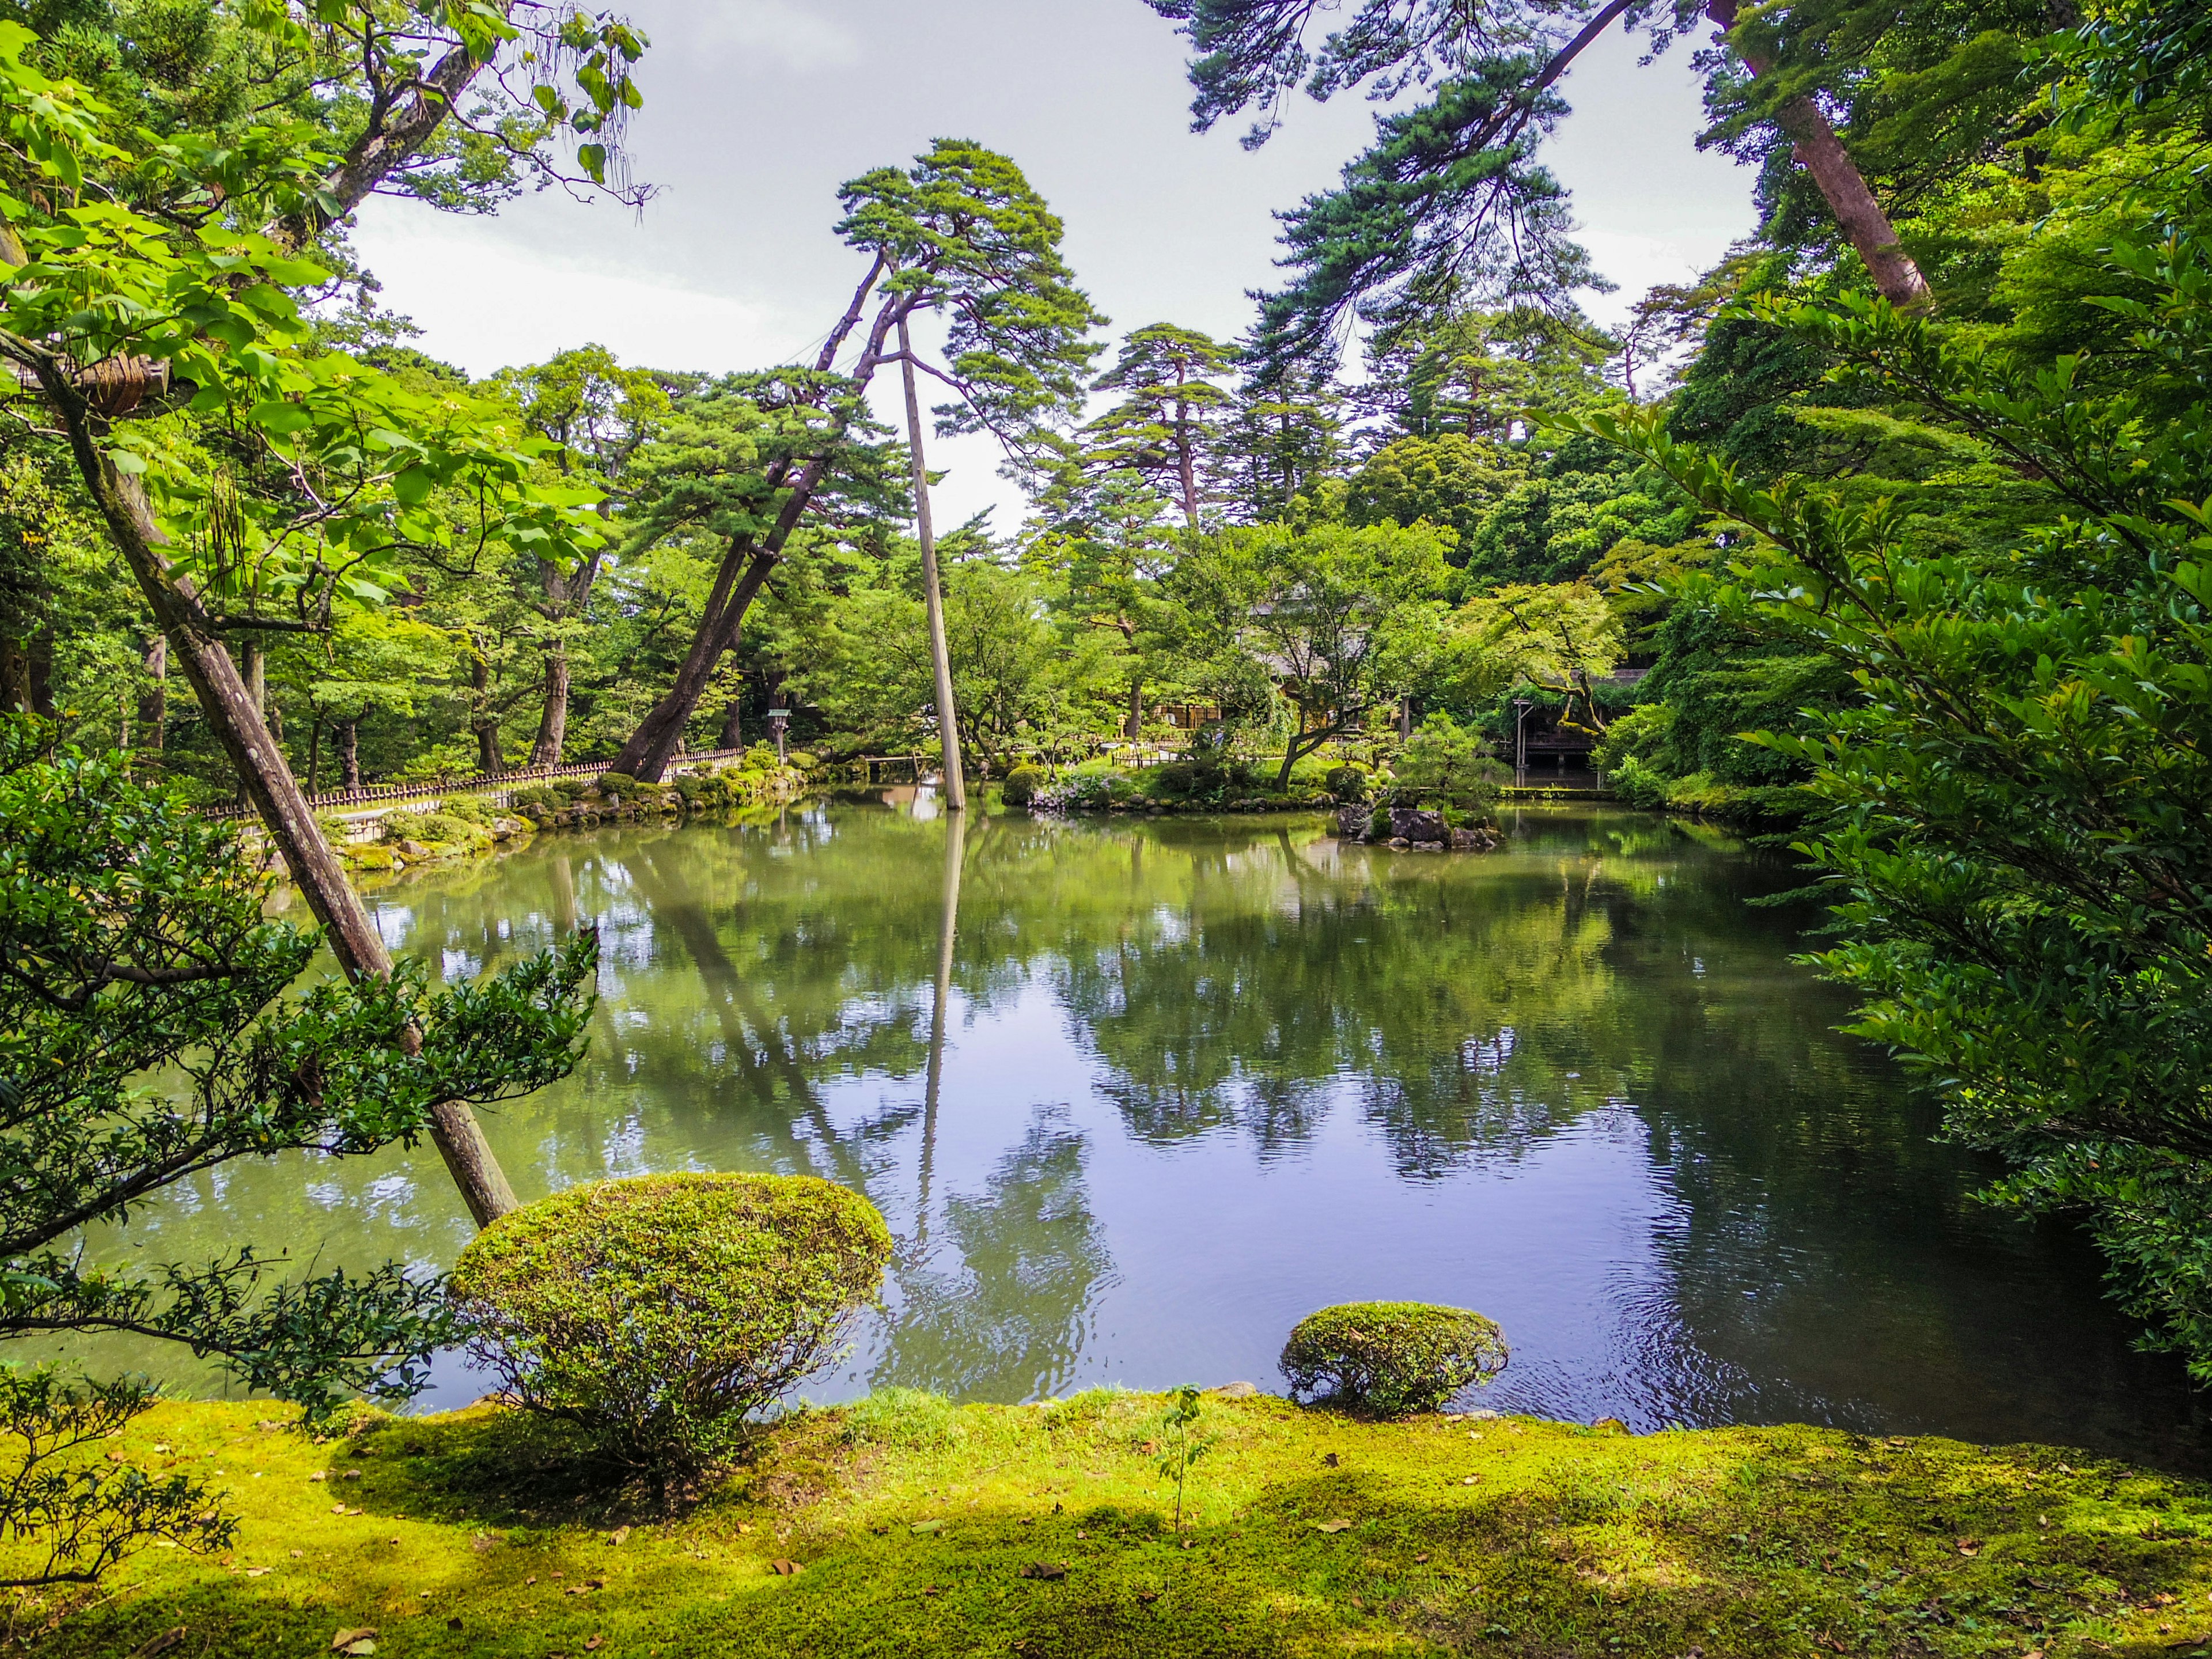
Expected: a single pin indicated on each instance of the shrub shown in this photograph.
(1449, 764)
(536, 798)
(1175, 781)
(654, 1314)
(1347, 783)
(1393, 1358)
(619, 783)
(801, 760)
(1022, 784)
(433, 829)
(468, 809)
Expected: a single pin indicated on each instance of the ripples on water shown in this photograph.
(1169, 1085)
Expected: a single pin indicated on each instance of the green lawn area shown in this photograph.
(909, 1527)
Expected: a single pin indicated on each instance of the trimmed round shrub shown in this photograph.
(1392, 1358)
(1346, 782)
(1022, 784)
(654, 1314)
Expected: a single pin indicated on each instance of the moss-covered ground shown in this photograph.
(906, 1527)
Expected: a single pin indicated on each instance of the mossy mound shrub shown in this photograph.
(468, 809)
(1022, 784)
(1347, 783)
(537, 798)
(1391, 1358)
(655, 1314)
(801, 760)
(438, 829)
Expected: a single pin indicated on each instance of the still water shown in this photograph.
(1135, 1095)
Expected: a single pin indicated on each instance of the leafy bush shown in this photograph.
(1445, 762)
(433, 828)
(654, 1313)
(1022, 784)
(536, 798)
(1347, 783)
(468, 809)
(1393, 1358)
(619, 783)
(761, 758)
(802, 760)
(1176, 780)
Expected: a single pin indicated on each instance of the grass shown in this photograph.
(906, 1526)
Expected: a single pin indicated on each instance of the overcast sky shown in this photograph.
(756, 109)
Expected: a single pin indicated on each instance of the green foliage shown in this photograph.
(1181, 1445)
(154, 1025)
(1347, 782)
(1391, 1358)
(2013, 800)
(1337, 623)
(1445, 763)
(654, 1314)
(442, 828)
(85, 1516)
(1022, 784)
(962, 230)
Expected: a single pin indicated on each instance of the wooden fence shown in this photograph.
(500, 783)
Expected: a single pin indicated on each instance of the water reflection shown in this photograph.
(1135, 1095)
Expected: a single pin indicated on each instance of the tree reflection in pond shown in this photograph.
(997, 1306)
(1137, 1094)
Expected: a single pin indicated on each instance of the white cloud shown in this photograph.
(792, 36)
(484, 303)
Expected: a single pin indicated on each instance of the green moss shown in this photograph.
(1392, 1358)
(1499, 1538)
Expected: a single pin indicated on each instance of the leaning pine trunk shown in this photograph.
(746, 563)
(275, 792)
(1841, 184)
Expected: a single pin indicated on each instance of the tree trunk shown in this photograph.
(275, 793)
(1135, 725)
(932, 592)
(552, 737)
(482, 719)
(733, 718)
(153, 705)
(746, 564)
(349, 754)
(314, 756)
(1841, 185)
(561, 600)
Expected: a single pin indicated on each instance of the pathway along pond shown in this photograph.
(1198, 1078)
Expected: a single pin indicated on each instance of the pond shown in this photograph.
(1170, 1084)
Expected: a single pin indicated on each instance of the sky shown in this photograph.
(756, 109)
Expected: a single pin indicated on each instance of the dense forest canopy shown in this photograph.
(1896, 517)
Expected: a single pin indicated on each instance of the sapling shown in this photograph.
(1181, 1446)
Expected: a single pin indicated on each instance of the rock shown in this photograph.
(1469, 841)
(1428, 847)
(1416, 825)
(1355, 823)
(1399, 844)
(413, 849)
(1236, 1391)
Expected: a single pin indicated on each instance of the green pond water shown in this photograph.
(1136, 1094)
